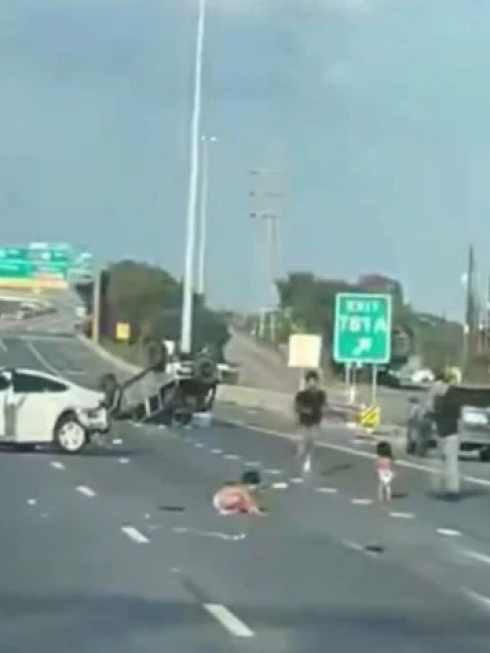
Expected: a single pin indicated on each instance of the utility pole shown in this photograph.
(470, 314)
(267, 214)
(482, 315)
(487, 318)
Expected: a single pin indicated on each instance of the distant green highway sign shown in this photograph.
(362, 328)
(43, 265)
(37, 260)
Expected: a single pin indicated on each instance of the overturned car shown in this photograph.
(164, 393)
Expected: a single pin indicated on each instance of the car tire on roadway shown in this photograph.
(69, 435)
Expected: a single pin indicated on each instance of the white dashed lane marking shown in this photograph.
(217, 452)
(402, 515)
(449, 532)
(228, 620)
(31, 502)
(231, 456)
(355, 546)
(361, 502)
(227, 537)
(117, 441)
(273, 472)
(57, 465)
(134, 534)
(280, 486)
(326, 490)
(86, 491)
(124, 461)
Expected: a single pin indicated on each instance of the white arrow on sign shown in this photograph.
(363, 346)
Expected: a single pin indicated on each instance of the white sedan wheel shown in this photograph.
(71, 436)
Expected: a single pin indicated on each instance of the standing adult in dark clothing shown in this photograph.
(309, 406)
(446, 415)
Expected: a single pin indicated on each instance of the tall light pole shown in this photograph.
(201, 270)
(195, 130)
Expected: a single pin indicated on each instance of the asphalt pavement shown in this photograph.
(119, 549)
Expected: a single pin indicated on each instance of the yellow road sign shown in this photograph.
(370, 417)
(123, 331)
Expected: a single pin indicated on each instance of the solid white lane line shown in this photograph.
(354, 452)
(41, 359)
(475, 555)
(481, 599)
(134, 534)
(228, 620)
(86, 491)
(477, 481)
(57, 465)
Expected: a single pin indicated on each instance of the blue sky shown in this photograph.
(373, 116)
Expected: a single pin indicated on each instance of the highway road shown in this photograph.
(262, 367)
(119, 549)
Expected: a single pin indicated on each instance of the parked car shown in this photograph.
(473, 427)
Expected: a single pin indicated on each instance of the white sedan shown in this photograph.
(40, 408)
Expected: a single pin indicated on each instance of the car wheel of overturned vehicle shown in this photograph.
(69, 434)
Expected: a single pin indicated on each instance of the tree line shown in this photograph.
(149, 300)
(307, 304)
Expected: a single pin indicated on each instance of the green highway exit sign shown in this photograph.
(362, 328)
